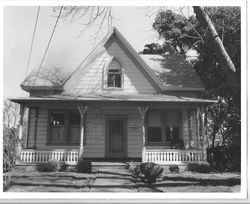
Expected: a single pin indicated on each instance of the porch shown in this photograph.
(163, 157)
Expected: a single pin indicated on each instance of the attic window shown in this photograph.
(113, 77)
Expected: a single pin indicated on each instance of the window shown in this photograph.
(154, 127)
(172, 125)
(163, 126)
(113, 77)
(64, 127)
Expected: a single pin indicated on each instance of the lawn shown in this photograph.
(120, 180)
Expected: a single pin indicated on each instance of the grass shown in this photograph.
(51, 182)
(113, 180)
(194, 182)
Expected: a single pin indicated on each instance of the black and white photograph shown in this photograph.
(120, 101)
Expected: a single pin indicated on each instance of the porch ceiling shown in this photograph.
(115, 97)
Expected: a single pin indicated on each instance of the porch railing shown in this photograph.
(173, 156)
(29, 156)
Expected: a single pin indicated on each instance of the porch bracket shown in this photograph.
(82, 110)
(143, 111)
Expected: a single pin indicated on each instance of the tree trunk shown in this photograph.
(219, 49)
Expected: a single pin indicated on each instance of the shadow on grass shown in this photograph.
(205, 182)
(50, 177)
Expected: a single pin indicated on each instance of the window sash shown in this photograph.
(67, 133)
(169, 129)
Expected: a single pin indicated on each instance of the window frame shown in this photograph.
(164, 124)
(66, 125)
(106, 69)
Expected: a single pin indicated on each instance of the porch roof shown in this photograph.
(115, 97)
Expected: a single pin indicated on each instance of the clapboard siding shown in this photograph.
(94, 142)
(90, 78)
(94, 132)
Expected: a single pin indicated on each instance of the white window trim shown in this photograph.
(105, 75)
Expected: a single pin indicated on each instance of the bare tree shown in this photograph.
(10, 114)
(100, 16)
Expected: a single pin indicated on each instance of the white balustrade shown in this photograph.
(29, 156)
(173, 156)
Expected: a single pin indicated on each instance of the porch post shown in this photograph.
(20, 133)
(143, 111)
(82, 109)
(198, 128)
(204, 137)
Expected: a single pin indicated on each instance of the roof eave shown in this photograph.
(198, 89)
(41, 88)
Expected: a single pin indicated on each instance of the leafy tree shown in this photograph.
(183, 34)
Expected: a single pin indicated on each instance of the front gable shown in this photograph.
(92, 76)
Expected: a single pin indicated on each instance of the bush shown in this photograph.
(200, 168)
(50, 166)
(174, 168)
(136, 171)
(225, 158)
(84, 166)
(151, 171)
(63, 166)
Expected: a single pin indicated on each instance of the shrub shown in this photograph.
(50, 166)
(200, 168)
(151, 171)
(84, 166)
(136, 171)
(63, 166)
(225, 158)
(174, 168)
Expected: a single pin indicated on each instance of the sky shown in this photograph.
(67, 48)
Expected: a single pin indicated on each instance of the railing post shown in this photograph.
(82, 109)
(143, 111)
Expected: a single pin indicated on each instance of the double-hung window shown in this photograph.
(113, 75)
(114, 78)
(64, 127)
(163, 127)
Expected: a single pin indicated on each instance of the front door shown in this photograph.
(115, 137)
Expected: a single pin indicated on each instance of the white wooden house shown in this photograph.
(116, 105)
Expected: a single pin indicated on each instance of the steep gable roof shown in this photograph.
(118, 37)
(175, 74)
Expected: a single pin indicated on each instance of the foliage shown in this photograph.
(199, 168)
(225, 159)
(84, 166)
(174, 168)
(148, 171)
(184, 34)
(10, 142)
(63, 166)
(50, 166)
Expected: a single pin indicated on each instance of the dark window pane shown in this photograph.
(75, 118)
(110, 80)
(154, 134)
(114, 80)
(74, 134)
(118, 80)
(175, 133)
(114, 71)
(168, 133)
(57, 119)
